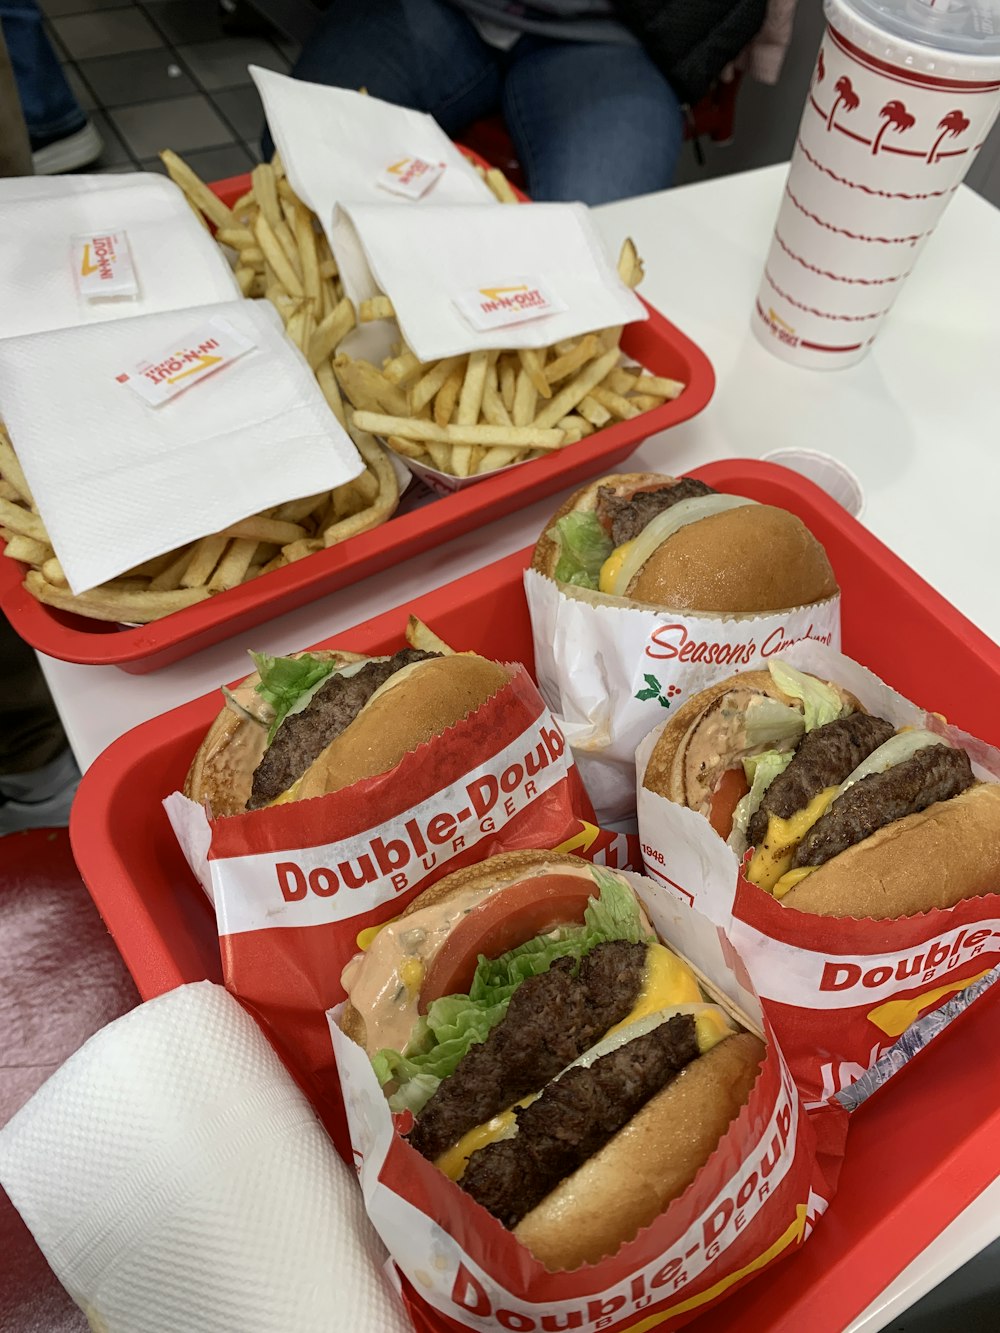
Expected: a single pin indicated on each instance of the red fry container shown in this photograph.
(918, 1152)
(656, 344)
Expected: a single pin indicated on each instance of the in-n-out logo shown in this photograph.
(187, 361)
(510, 301)
(409, 177)
(102, 265)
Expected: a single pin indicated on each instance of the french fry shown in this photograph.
(406, 448)
(440, 454)
(114, 604)
(305, 240)
(328, 268)
(470, 400)
(275, 256)
(426, 387)
(388, 493)
(245, 278)
(8, 492)
(508, 380)
(525, 437)
(22, 521)
(28, 550)
(525, 398)
(658, 385)
(10, 468)
(237, 238)
(630, 268)
(403, 369)
(169, 578)
(645, 402)
(365, 385)
(330, 333)
(576, 425)
(52, 572)
(419, 635)
(366, 485)
(327, 381)
(376, 307)
(204, 556)
(266, 193)
(617, 405)
(233, 565)
(573, 359)
(197, 191)
(501, 186)
(265, 529)
(297, 511)
(298, 550)
(567, 398)
(447, 395)
(592, 411)
(531, 363)
(287, 242)
(494, 411)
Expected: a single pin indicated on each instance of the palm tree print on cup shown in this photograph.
(846, 97)
(954, 124)
(820, 67)
(897, 117)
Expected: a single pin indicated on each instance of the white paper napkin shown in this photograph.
(336, 145)
(175, 260)
(433, 261)
(118, 481)
(178, 1181)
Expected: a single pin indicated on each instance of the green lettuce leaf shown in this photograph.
(288, 683)
(821, 703)
(456, 1022)
(583, 548)
(760, 770)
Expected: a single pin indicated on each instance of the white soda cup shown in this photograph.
(903, 95)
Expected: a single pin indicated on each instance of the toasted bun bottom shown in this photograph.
(947, 852)
(651, 1161)
(513, 864)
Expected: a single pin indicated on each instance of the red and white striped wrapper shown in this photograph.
(295, 885)
(889, 130)
(838, 991)
(755, 1200)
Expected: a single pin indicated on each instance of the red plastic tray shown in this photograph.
(656, 344)
(918, 1153)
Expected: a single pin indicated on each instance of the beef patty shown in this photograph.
(935, 773)
(825, 757)
(304, 736)
(551, 1020)
(626, 516)
(574, 1118)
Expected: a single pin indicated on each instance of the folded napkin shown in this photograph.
(478, 277)
(118, 480)
(338, 145)
(177, 1181)
(46, 222)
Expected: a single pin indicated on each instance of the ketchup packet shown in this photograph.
(297, 886)
(838, 991)
(756, 1199)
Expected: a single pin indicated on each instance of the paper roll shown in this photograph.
(178, 1181)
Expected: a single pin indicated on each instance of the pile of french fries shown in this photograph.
(290, 263)
(467, 415)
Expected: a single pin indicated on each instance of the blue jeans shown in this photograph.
(589, 121)
(50, 109)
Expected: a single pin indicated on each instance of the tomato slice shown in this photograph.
(731, 789)
(501, 922)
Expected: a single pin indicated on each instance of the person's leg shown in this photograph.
(417, 53)
(15, 151)
(591, 121)
(61, 136)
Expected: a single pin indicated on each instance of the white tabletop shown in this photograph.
(915, 422)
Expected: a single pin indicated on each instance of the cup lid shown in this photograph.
(961, 27)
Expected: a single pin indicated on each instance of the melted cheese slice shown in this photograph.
(625, 561)
(667, 982)
(773, 858)
(790, 878)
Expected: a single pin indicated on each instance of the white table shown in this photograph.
(915, 422)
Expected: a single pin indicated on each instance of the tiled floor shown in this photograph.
(157, 74)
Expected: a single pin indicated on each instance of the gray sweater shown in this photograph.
(501, 22)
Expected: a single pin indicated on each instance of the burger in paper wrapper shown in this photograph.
(860, 874)
(644, 589)
(603, 1097)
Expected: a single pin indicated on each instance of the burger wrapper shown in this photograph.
(296, 886)
(754, 1201)
(611, 674)
(839, 992)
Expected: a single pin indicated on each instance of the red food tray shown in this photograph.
(918, 1153)
(656, 343)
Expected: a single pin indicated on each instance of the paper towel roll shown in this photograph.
(179, 1182)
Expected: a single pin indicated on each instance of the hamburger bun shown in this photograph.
(632, 1179)
(652, 1160)
(933, 859)
(748, 560)
(416, 704)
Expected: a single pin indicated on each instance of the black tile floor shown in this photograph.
(155, 74)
